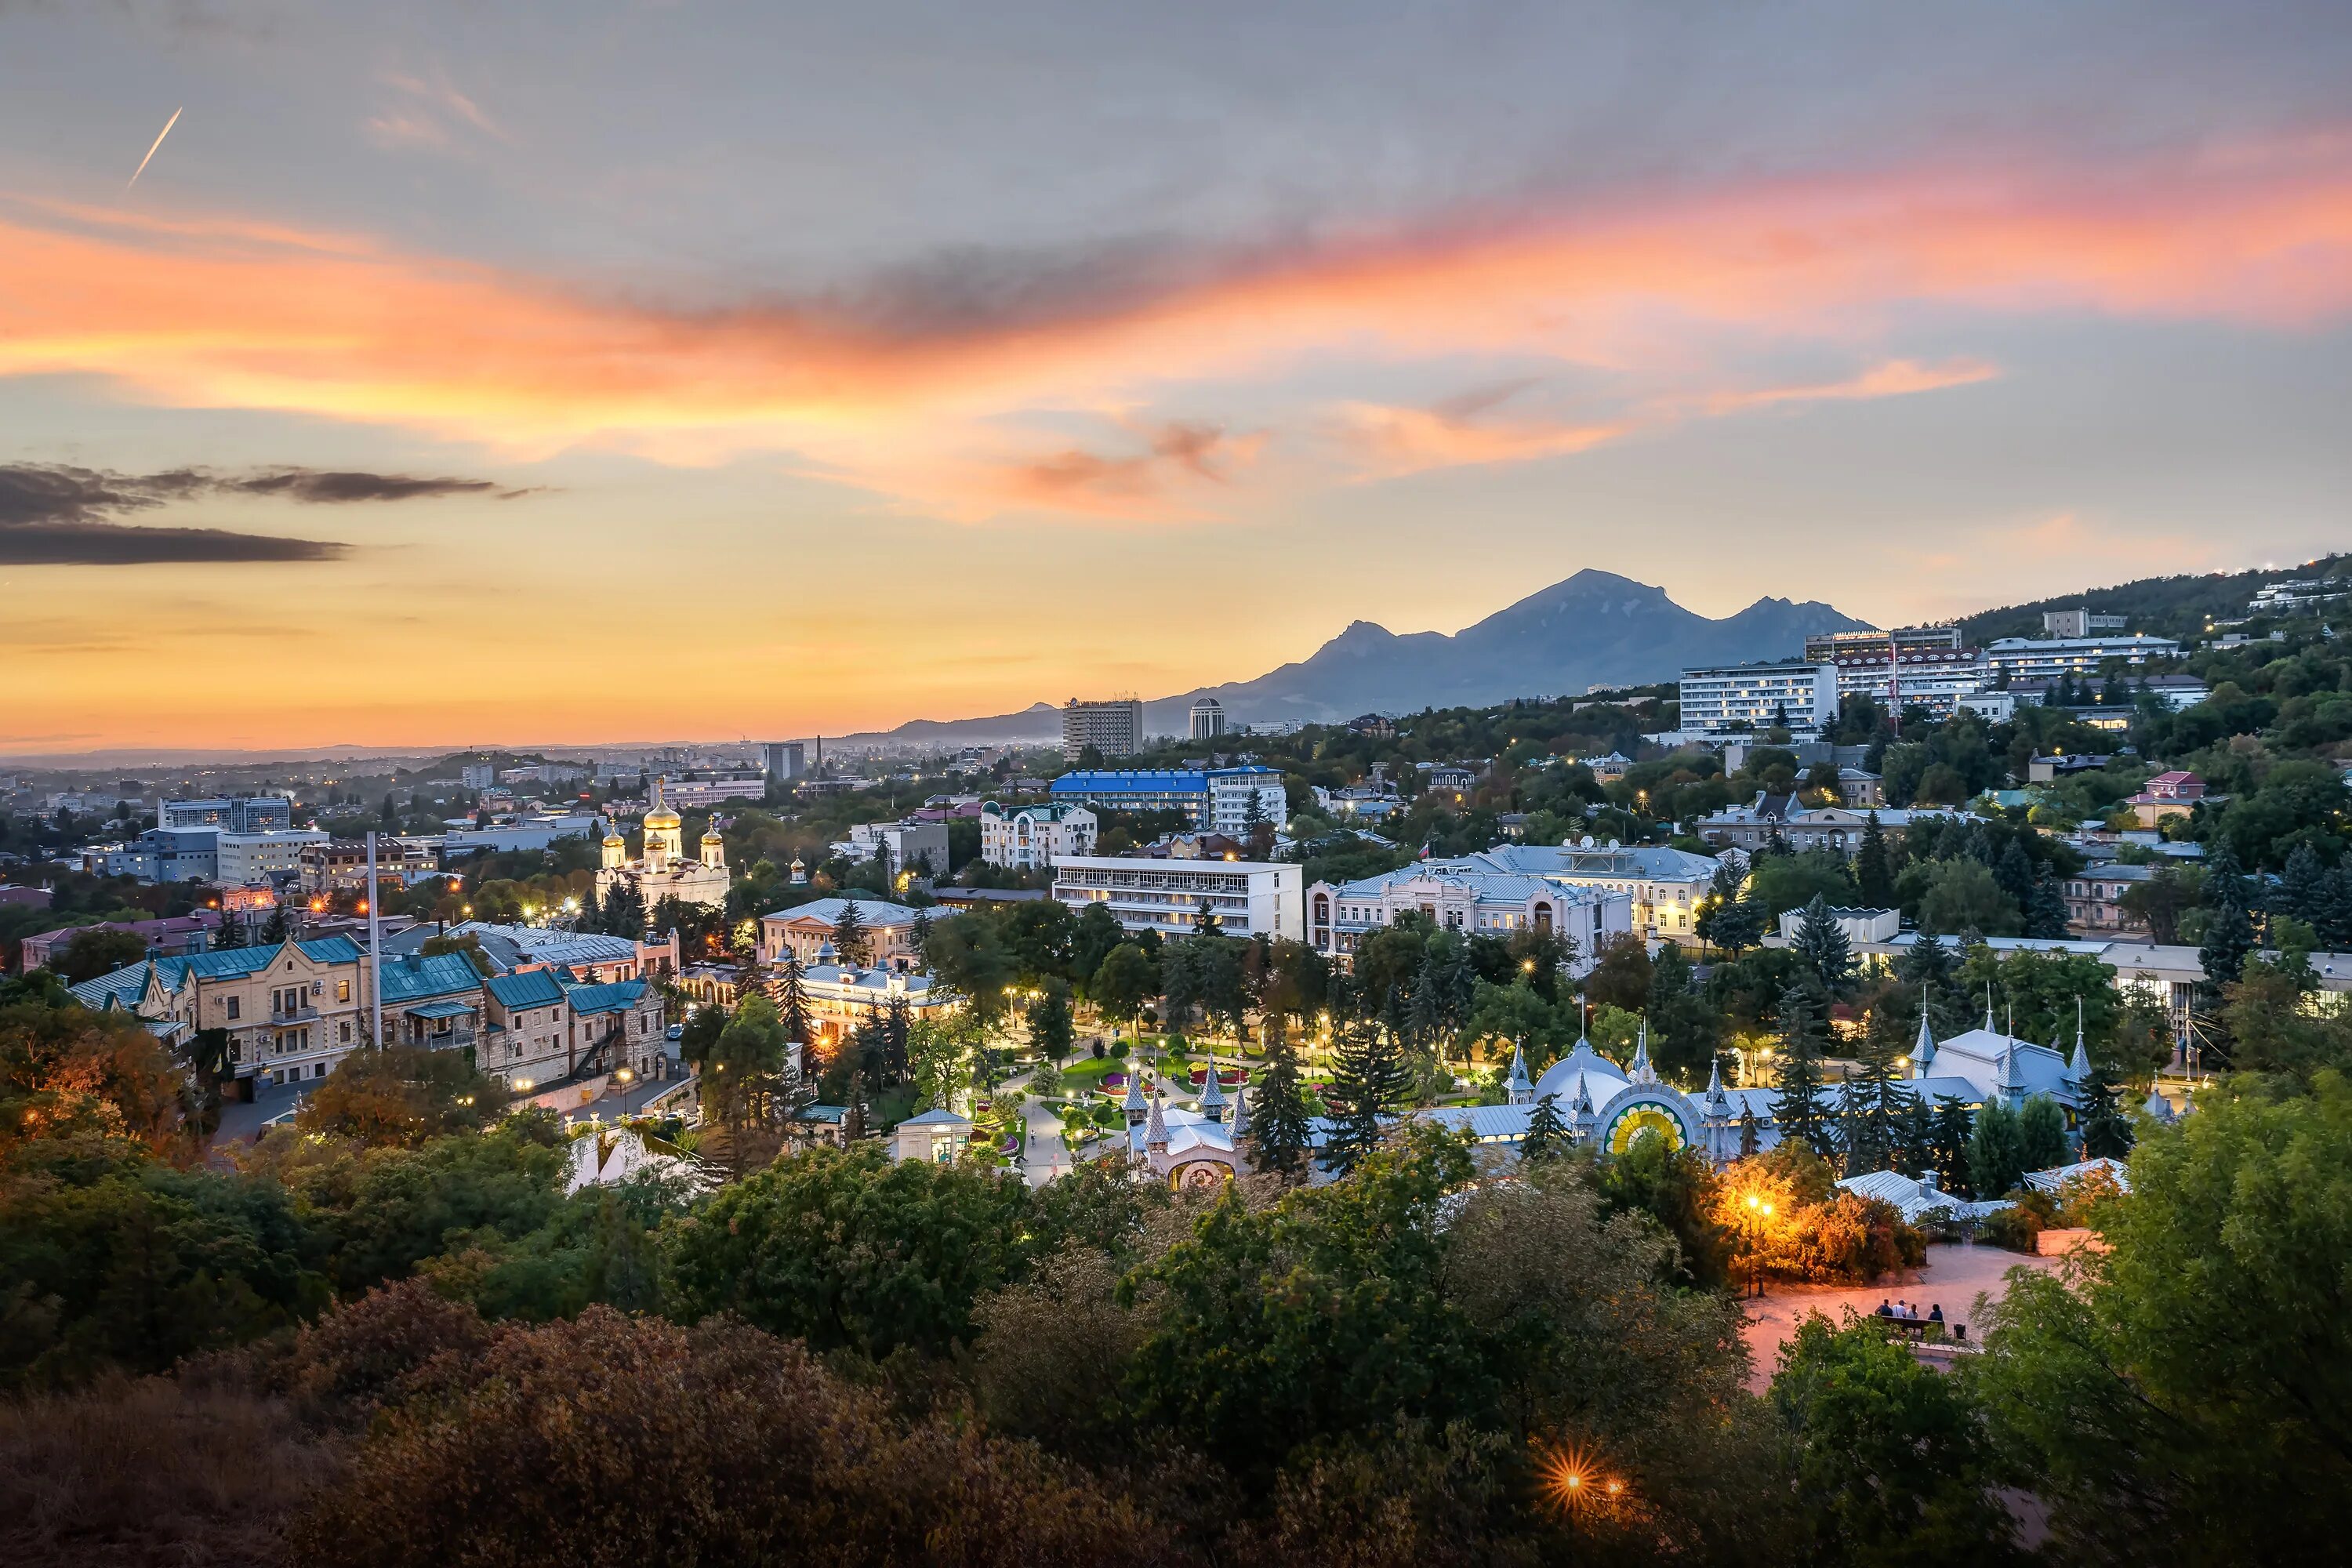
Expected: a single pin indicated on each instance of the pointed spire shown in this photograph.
(1155, 1132)
(1923, 1049)
(1241, 1113)
(1581, 1102)
(1988, 1024)
(2079, 1068)
(1641, 1071)
(1718, 1104)
(1521, 1090)
(1212, 1095)
(1134, 1105)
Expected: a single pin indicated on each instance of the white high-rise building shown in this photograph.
(1247, 897)
(1208, 718)
(1114, 728)
(1758, 696)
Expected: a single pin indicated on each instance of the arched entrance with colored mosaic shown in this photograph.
(1640, 1110)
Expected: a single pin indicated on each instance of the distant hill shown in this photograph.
(1595, 628)
(2165, 606)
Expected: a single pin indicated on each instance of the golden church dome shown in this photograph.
(662, 817)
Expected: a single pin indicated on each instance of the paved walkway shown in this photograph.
(1955, 1275)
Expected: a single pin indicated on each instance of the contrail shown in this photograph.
(158, 142)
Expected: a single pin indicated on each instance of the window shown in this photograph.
(343, 990)
(233, 1007)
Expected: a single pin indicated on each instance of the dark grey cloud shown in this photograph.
(54, 514)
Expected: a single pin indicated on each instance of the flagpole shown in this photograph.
(375, 951)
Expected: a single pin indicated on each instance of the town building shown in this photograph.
(2285, 598)
(2079, 622)
(2166, 794)
(239, 814)
(290, 1011)
(805, 929)
(476, 776)
(1664, 884)
(538, 831)
(1922, 667)
(1757, 696)
(663, 871)
(590, 956)
(907, 849)
(1475, 894)
(1247, 898)
(839, 996)
(242, 859)
(1032, 837)
(168, 937)
(701, 791)
(937, 1137)
(2011, 659)
(1751, 826)
(782, 761)
(1114, 729)
(2094, 898)
(1216, 798)
(1860, 790)
(1208, 718)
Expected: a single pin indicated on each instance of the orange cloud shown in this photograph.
(213, 314)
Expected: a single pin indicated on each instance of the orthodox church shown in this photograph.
(664, 871)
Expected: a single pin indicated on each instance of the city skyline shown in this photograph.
(434, 358)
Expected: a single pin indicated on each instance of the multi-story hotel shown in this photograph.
(1248, 897)
(1757, 696)
(1032, 837)
(1114, 729)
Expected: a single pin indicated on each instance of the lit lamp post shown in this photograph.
(1760, 1212)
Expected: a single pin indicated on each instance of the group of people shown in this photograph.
(1907, 1312)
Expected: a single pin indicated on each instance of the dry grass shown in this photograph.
(148, 1472)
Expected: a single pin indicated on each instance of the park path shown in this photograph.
(1954, 1276)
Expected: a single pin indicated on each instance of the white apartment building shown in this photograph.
(1249, 897)
(245, 858)
(688, 793)
(1208, 718)
(1032, 837)
(1114, 728)
(1665, 885)
(1230, 793)
(1755, 696)
(241, 814)
(2046, 659)
(904, 848)
(1471, 895)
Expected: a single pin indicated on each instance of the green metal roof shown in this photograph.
(532, 988)
(414, 977)
(618, 996)
(440, 1010)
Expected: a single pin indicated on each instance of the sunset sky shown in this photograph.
(582, 372)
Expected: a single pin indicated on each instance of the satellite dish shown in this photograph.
(1613, 844)
(1587, 842)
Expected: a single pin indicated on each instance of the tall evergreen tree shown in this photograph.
(792, 998)
(2013, 873)
(624, 909)
(2334, 922)
(232, 930)
(2045, 912)
(2229, 924)
(1204, 920)
(853, 1118)
(2041, 1134)
(1874, 867)
(1822, 944)
(1798, 1111)
(1996, 1151)
(1547, 1137)
(1280, 1131)
(849, 938)
(2303, 888)
(919, 938)
(1370, 1076)
(1918, 1138)
(1929, 968)
(898, 1036)
(273, 930)
(1948, 1142)
(2106, 1130)
(1875, 1105)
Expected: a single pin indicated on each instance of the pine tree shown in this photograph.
(1822, 942)
(2106, 1131)
(1205, 920)
(853, 1116)
(1799, 1110)
(2013, 872)
(624, 909)
(2303, 888)
(232, 931)
(2229, 924)
(792, 999)
(1948, 1142)
(920, 937)
(1996, 1151)
(897, 1035)
(1547, 1137)
(1918, 1138)
(1877, 1106)
(849, 938)
(1280, 1132)
(273, 932)
(2045, 912)
(1370, 1076)
(2334, 922)
(2041, 1134)
(1873, 868)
